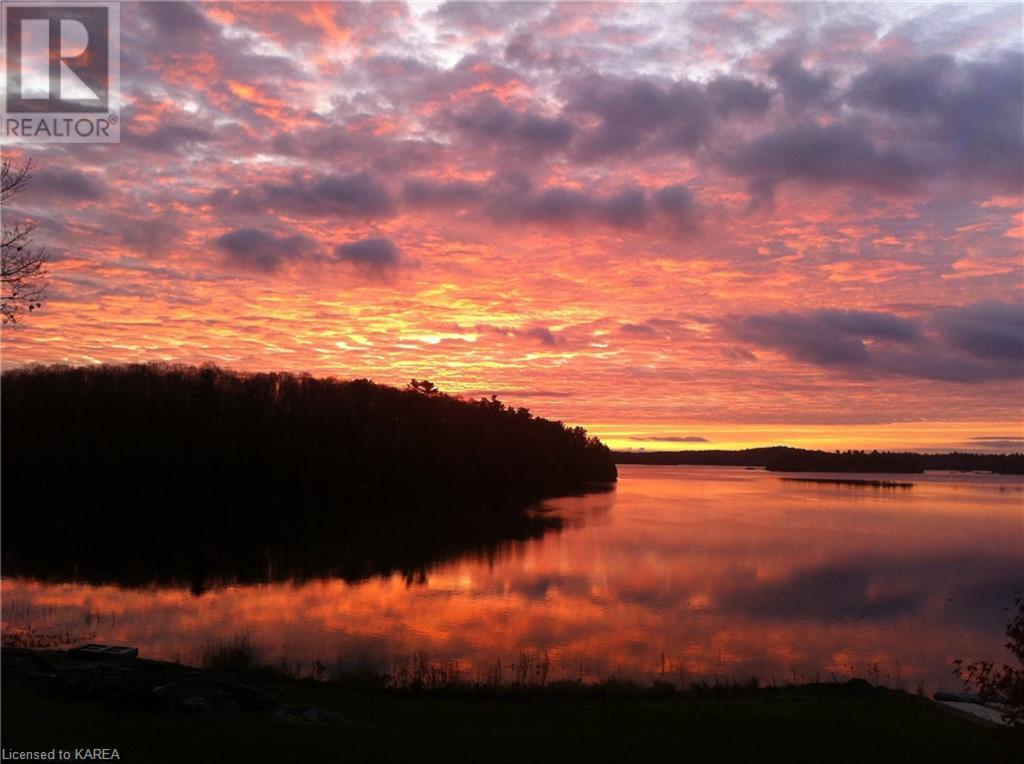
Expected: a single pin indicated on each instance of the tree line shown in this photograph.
(787, 459)
(197, 431)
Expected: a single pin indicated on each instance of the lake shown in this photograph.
(682, 572)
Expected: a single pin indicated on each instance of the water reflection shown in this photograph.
(701, 571)
(364, 539)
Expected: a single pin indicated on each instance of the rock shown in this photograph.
(195, 705)
(309, 715)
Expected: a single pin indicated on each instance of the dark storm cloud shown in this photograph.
(971, 343)
(354, 195)
(376, 256)
(257, 250)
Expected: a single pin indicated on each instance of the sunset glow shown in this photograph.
(681, 226)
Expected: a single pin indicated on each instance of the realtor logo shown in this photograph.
(61, 72)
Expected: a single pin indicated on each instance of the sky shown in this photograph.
(681, 226)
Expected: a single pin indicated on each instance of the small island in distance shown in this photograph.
(787, 459)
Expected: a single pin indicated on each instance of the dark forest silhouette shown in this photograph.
(189, 430)
(786, 459)
(156, 472)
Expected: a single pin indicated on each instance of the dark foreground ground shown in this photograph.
(156, 712)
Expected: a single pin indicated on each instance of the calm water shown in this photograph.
(698, 572)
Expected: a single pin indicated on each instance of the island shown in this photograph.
(787, 459)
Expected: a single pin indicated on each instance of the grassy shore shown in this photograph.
(836, 723)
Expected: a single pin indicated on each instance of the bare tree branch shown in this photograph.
(22, 265)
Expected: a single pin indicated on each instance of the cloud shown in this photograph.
(824, 155)
(989, 330)
(643, 330)
(452, 194)
(679, 206)
(514, 200)
(672, 438)
(483, 18)
(966, 114)
(799, 86)
(647, 116)
(527, 51)
(374, 256)
(732, 96)
(67, 184)
(543, 334)
(356, 142)
(908, 121)
(168, 138)
(257, 250)
(1004, 442)
(151, 236)
(182, 23)
(637, 114)
(355, 195)
(628, 207)
(972, 343)
(487, 120)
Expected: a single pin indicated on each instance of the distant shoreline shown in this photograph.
(787, 459)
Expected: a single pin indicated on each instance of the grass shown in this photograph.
(564, 721)
(236, 654)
